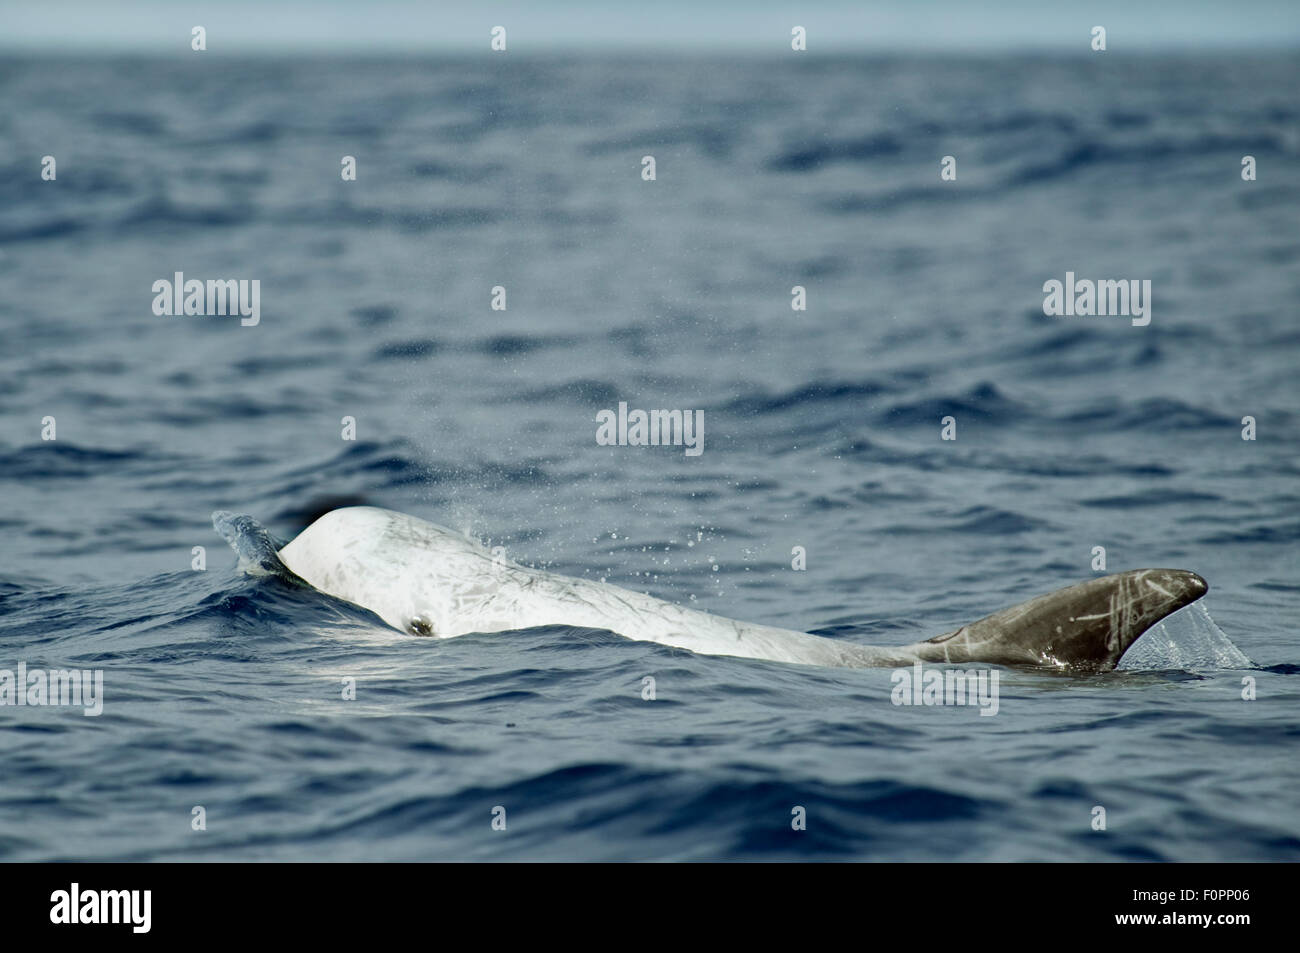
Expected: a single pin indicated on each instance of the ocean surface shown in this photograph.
(224, 691)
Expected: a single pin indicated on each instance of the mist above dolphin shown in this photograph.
(426, 580)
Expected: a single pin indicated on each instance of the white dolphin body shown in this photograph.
(427, 580)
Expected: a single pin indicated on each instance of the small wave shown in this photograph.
(409, 350)
(1165, 413)
(1285, 533)
(863, 149)
(160, 210)
(507, 345)
(135, 123)
(978, 521)
(817, 392)
(585, 391)
(983, 402)
(1149, 498)
(64, 460)
(1083, 155)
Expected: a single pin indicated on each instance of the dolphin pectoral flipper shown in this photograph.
(255, 547)
(1086, 627)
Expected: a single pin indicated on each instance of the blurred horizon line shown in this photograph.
(559, 26)
(551, 51)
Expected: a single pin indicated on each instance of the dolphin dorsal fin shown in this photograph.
(1087, 627)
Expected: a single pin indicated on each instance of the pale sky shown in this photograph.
(246, 26)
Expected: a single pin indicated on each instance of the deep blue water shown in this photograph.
(822, 430)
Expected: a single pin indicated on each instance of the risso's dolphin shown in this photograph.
(430, 581)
